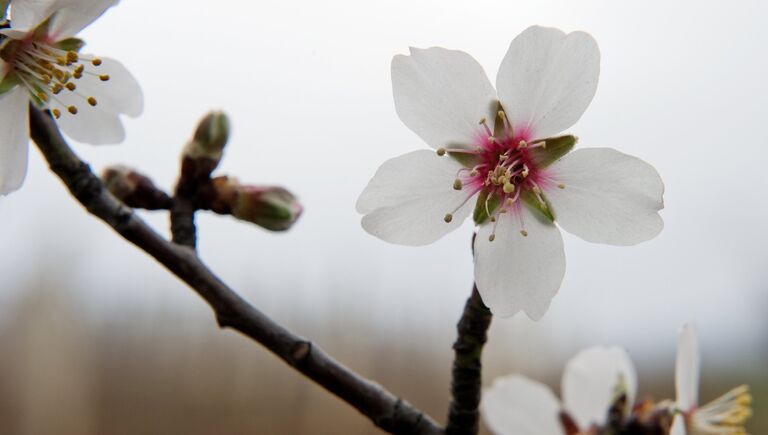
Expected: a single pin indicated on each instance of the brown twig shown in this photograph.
(466, 382)
(385, 409)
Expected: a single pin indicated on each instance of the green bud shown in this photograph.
(272, 208)
(210, 137)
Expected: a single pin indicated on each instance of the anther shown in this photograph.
(508, 187)
(524, 233)
(561, 186)
(522, 144)
(483, 120)
(96, 61)
(56, 89)
(104, 77)
(47, 78)
(536, 190)
(493, 218)
(42, 96)
(448, 218)
(56, 113)
(492, 237)
(72, 110)
(71, 86)
(79, 69)
(457, 185)
(441, 152)
(92, 101)
(510, 202)
(72, 57)
(61, 60)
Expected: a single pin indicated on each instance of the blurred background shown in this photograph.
(96, 338)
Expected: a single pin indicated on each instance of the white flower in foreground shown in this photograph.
(500, 158)
(40, 62)
(592, 382)
(725, 415)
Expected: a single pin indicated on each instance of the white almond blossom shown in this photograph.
(40, 62)
(498, 159)
(725, 415)
(592, 382)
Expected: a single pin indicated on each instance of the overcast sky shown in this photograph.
(308, 89)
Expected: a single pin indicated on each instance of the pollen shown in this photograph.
(508, 187)
(457, 185)
(92, 101)
(441, 152)
(56, 113)
(96, 61)
(448, 218)
(72, 110)
(72, 57)
(71, 86)
(104, 77)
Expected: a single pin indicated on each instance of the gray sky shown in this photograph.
(307, 86)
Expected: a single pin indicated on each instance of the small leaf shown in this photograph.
(9, 82)
(71, 44)
(555, 148)
(484, 205)
(533, 203)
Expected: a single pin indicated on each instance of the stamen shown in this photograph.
(561, 186)
(507, 129)
(104, 77)
(508, 187)
(71, 86)
(524, 233)
(96, 61)
(92, 101)
(448, 218)
(441, 152)
(72, 110)
(457, 185)
(522, 144)
(56, 113)
(488, 132)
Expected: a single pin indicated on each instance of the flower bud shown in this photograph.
(210, 137)
(134, 189)
(272, 208)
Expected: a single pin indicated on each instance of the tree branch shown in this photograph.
(466, 383)
(385, 410)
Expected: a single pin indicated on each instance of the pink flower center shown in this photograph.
(502, 166)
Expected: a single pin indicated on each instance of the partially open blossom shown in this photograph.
(40, 61)
(725, 415)
(210, 138)
(270, 207)
(594, 382)
(501, 158)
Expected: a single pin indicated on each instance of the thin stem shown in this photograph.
(466, 383)
(387, 411)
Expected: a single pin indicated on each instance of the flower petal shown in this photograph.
(441, 95)
(514, 272)
(27, 14)
(516, 405)
(609, 197)
(90, 125)
(590, 383)
(72, 16)
(14, 139)
(678, 426)
(547, 79)
(408, 198)
(120, 94)
(687, 368)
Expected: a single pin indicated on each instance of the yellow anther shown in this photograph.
(56, 89)
(509, 187)
(493, 218)
(536, 190)
(42, 96)
(80, 68)
(457, 185)
(441, 152)
(71, 86)
(72, 57)
(522, 144)
(503, 210)
(77, 75)
(473, 173)
(61, 60)
(56, 113)
(448, 218)
(65, 78)
(525, 172)
(524, 233)
(47, 78)
(96, 61)
(561, 185)
(72, 110)
(492, 237)
(104, 77)
(502, 114)
(510, 202)
(92, 101)
(58, 74)
(483, 120)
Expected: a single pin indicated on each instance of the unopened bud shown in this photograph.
(210, 137)
(134, 189)
(272, 208)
